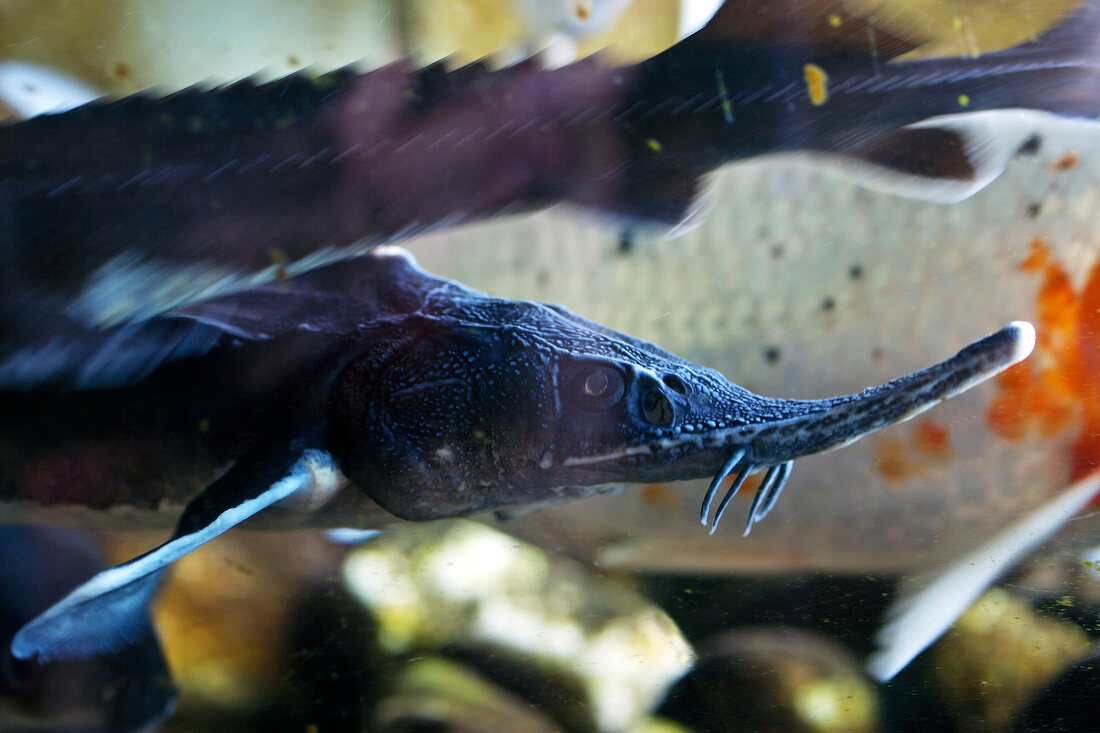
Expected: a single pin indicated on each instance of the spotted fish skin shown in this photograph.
(121, 210)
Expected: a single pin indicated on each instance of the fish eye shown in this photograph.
(656, 409)
(601, 387)
(597, 383)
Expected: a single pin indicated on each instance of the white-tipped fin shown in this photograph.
(31, 90)
(921, 616)
(942, 160)
(110, 611)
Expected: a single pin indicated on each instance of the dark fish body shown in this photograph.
(436, 401)
(121, 210)
(370, 383)
(725, 94)
(166, 201)
(140, 453)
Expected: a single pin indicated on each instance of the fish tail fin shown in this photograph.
(1059, 71)
(1002, 97)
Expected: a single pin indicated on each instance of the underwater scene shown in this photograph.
(599, 366)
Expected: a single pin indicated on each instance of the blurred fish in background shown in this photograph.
(165, 200)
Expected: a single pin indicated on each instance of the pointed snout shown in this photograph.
(796, 428)
(773, 433)
(711, 421)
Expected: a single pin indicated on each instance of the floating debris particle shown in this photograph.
(817, 84)
(724, 95)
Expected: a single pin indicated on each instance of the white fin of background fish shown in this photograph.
(351, 535)
(30, 90)
(694, 14)
(926, 608)
(989, 139)
(556, 26)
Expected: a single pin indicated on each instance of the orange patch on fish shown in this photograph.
(932, 440)
(1067, 161)
(1059, 386)
(817, 84)
(893, 461)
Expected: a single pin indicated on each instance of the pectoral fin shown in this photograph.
(931, 605)
(110, 611)
(104, 359)
(943, 160)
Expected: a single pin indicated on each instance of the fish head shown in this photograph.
(474, 403)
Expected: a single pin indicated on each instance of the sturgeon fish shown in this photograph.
(120, 210)
(374, 382)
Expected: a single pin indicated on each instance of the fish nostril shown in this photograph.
(675, 383)
(656, 409)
